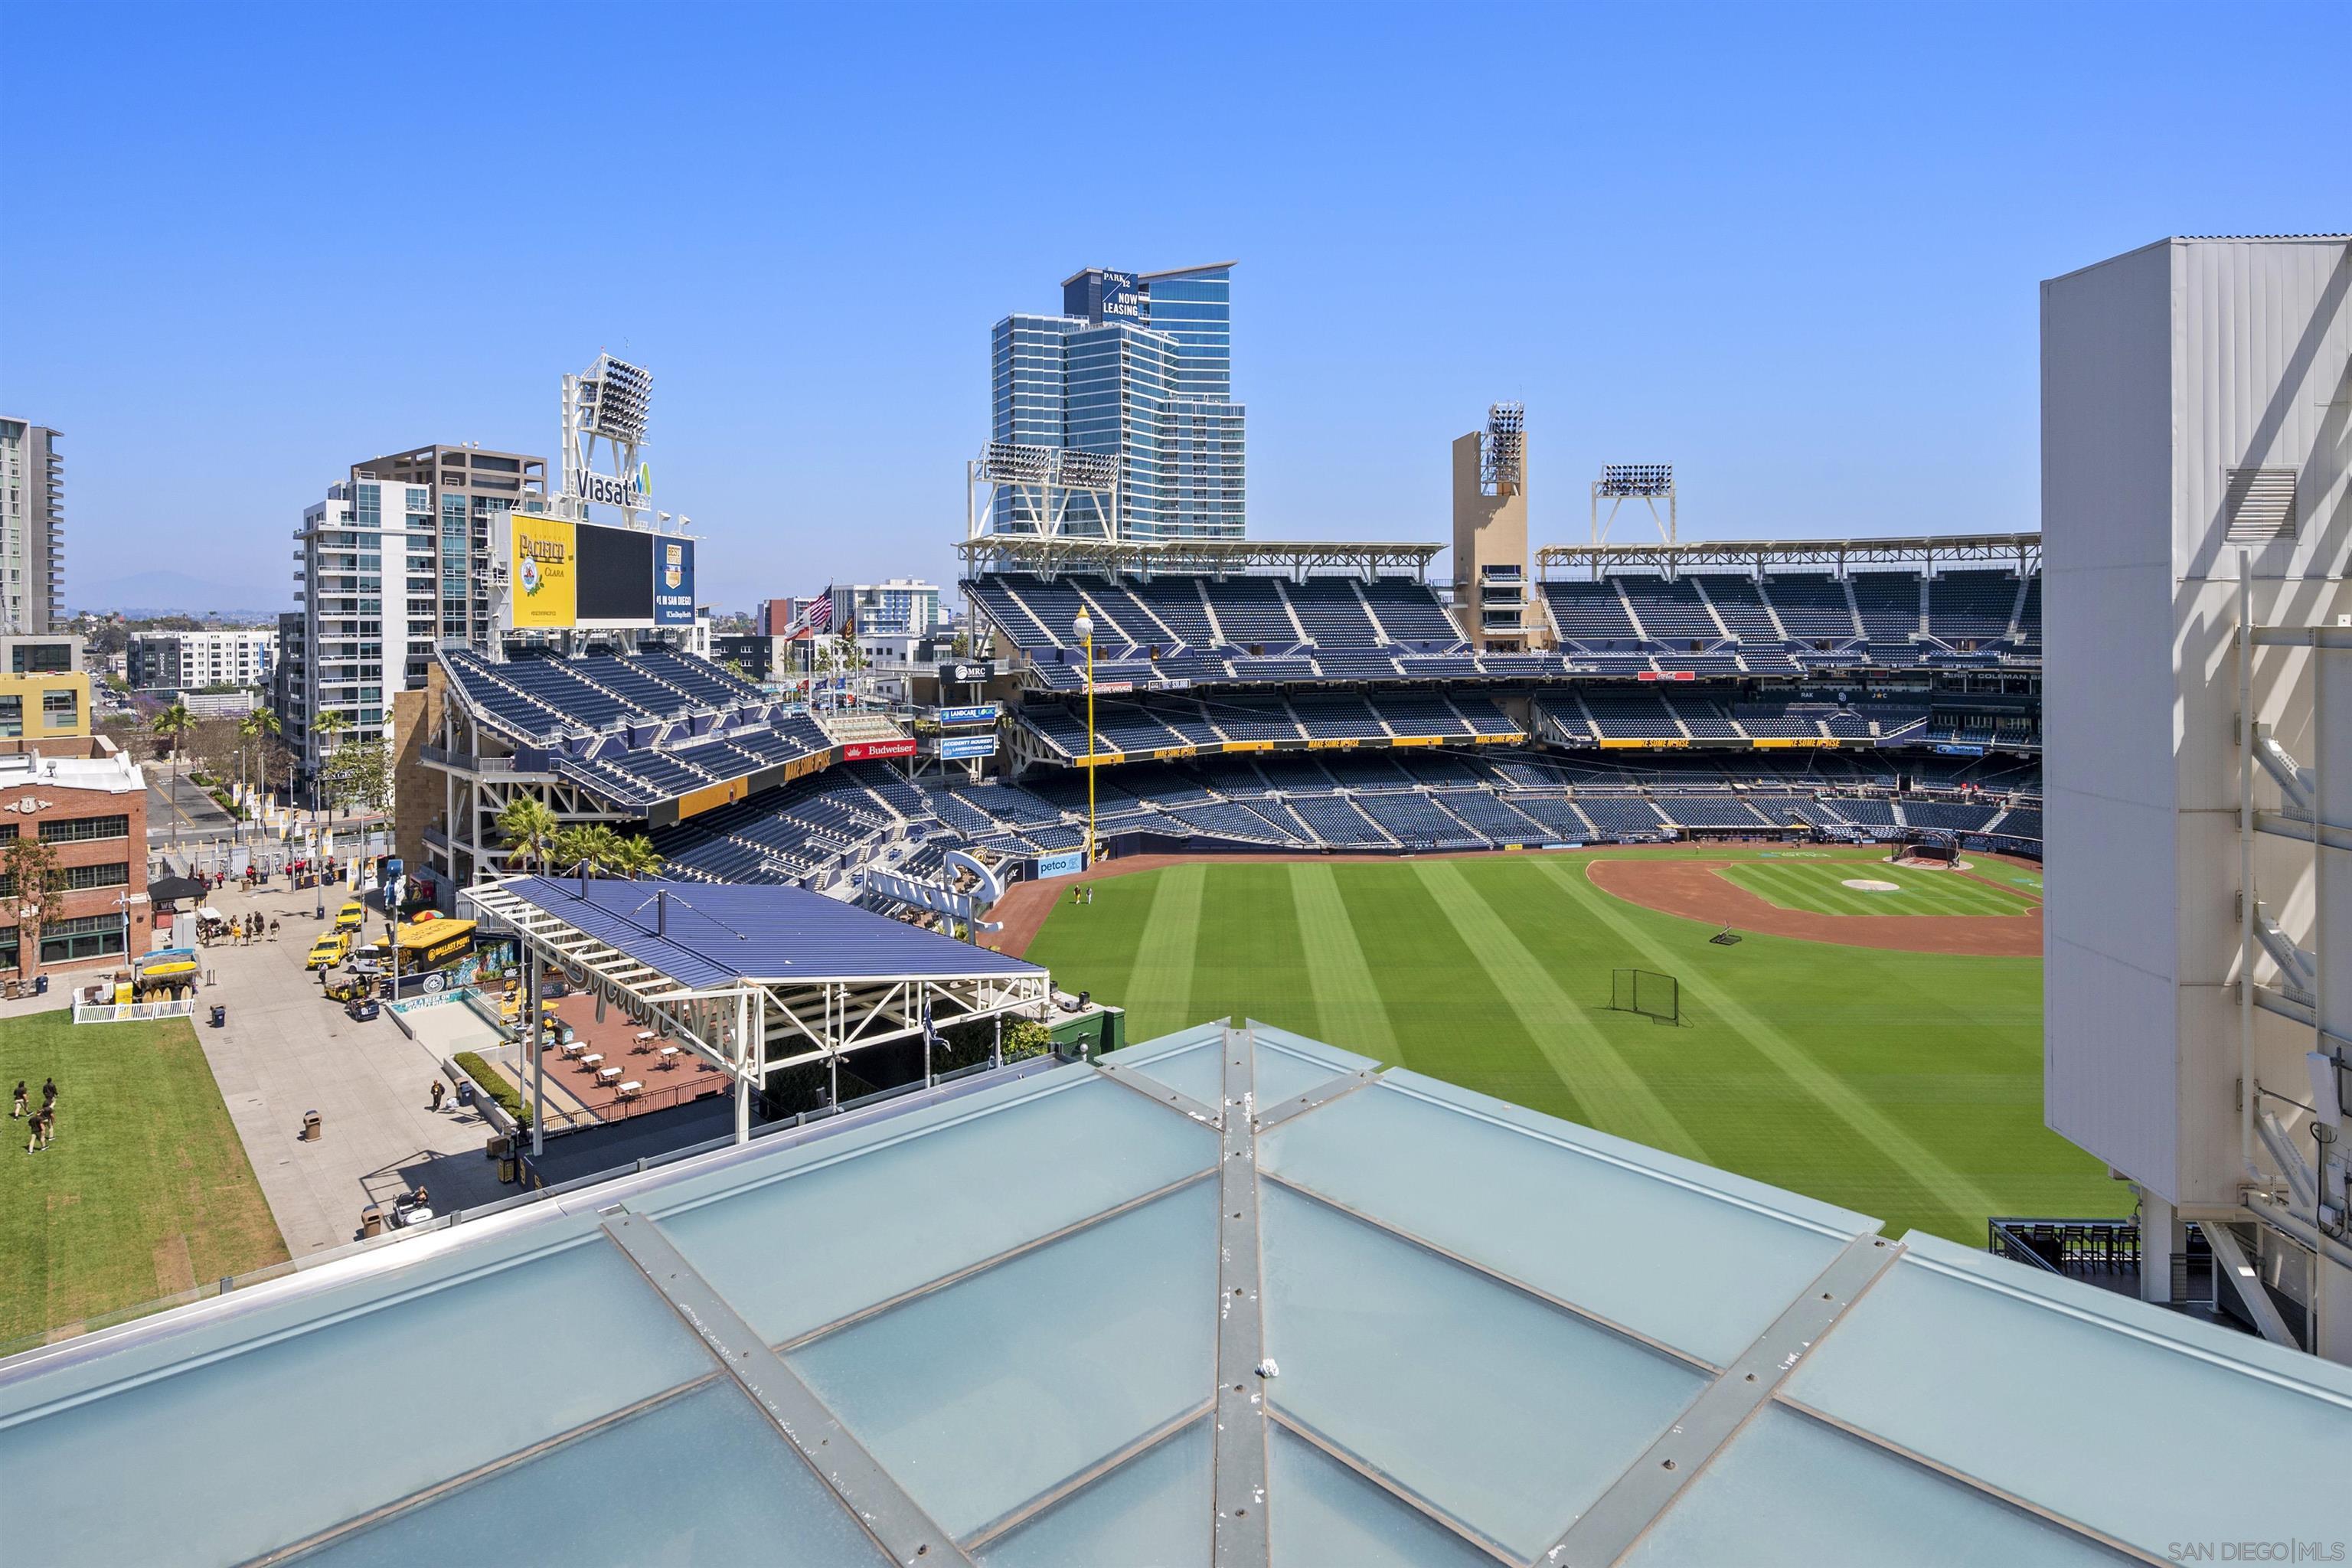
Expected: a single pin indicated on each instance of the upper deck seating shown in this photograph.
(1332, 612)
(1813, 606)
(1410, 612)
(1588, 611)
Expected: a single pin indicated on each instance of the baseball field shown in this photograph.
(1895, 1068)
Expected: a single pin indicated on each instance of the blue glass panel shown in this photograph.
(1154, 1511)
(982, 1396)
(1692, 1258)
(1792, 1493)
(700, 1479)
(2137, 1422)
(844, 1223)
(328, 1407)
(1325, 1513)
(1451, 1384)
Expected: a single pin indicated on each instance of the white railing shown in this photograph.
(125, 1012)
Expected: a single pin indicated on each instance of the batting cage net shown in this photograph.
(1645, 992)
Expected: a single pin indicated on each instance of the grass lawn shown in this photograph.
(146, 1190)
(1818, 887)
(1908, 1086)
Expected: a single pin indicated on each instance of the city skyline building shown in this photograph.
(357, 640)
(1138, 366)
(467, 486)
(901, 605)
(32, 528)
(191, 661)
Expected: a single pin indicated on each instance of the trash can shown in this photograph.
(40, 986)
(313, 1129)
(464, 1092)
(220, 1016)
(507, 1168)
(372, 1221)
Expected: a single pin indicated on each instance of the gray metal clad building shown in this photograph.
(2196, 412)
(32, 528)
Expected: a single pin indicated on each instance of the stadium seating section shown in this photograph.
(1195, 630)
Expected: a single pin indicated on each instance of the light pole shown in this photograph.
(1085, 628)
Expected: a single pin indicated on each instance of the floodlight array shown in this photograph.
(1503, 460)
(616, 399)
(1016, 463)
(1636, 479)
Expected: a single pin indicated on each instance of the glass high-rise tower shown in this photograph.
(1139, 365)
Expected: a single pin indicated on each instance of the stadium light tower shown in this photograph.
(1085, 627)
(1647, 482)
(609, 401)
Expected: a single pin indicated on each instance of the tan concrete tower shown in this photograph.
(1490, 533)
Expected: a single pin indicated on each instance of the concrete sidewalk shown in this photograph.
(287, 1050)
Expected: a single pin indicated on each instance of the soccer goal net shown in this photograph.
(1647, 993)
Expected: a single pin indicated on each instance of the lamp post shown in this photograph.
(1085, 628)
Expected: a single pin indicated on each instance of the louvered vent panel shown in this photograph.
(2259, 504)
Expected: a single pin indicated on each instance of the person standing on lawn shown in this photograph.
(19, 1113)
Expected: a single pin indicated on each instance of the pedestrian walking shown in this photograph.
(49, 1127)
(37, 1123)
(273, 930)
(48, 1094)
(19, 1113)
(438, 1092)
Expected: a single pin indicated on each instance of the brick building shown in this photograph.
(88, 803)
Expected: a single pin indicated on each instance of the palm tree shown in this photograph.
(329, 724)
(635, 856)
(575, 847)
(171, 726)
(528, 829)
(261, 725)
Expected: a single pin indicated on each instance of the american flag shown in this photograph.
(819, 615)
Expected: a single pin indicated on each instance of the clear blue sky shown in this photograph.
(1793, 251)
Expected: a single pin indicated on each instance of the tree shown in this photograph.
(358, 776)
(171, 726)
(575, 845)
(635, 856)
(255, 731)
(527, 829)
(31, 886)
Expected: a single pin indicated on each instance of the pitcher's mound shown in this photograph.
(1866, 884)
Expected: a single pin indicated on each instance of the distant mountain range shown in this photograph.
(168, 594)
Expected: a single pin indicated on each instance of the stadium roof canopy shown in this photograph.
(806, 976)
(1050, 553)
(2022, 550)
(1229, 1297)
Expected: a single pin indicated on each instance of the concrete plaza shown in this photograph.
(286, 1050)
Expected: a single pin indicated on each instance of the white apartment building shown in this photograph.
(190, 662)
(366, 588)
(902, 605)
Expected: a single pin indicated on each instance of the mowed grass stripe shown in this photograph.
(1250, 953)
(1159, 982)
(1881, 1132)
(1346, 997)
(1599, 1076)
(1447, 1025)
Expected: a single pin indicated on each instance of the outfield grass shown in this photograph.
(146, 1190)
(1904, 1085)
(1818, 887)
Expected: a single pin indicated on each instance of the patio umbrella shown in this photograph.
(171, 890)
